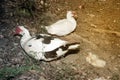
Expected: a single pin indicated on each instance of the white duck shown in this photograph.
(44, 46)
(64, 26)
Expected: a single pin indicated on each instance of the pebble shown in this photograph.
(91, 15)
(15, 44)
(119, 56)
(101, 78)
(102, 0)
(42, 2)
(93, 25)
(42, 78)
(1, 36)
(1, 60)
(114, 21)
(81, 6)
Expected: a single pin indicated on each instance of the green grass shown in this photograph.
(8, 72)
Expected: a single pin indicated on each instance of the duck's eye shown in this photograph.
(29, 45)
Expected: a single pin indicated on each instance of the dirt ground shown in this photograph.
(98, 31)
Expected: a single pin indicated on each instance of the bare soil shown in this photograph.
(98, 31)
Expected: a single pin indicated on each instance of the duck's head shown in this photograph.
(71, 14)
(20, 31)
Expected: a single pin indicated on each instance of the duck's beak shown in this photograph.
(16, 34)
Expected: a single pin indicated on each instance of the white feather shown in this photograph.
(95, 61)
(60, 52)
(73, 46)
(64, 26)
(36, 48)
(39, 46)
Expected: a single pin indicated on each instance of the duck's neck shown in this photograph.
(24, 39)
(70, 18)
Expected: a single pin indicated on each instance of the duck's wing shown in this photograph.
(60, 29)
(55, 43)
(50, 42)
(60, 21)
(60, 51)
(43, 43)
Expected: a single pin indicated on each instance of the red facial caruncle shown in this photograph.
(18, 30)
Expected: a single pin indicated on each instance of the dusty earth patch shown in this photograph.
(98, 31)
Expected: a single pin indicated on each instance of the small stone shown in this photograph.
(1, 60)
(101, 78)
(15, 44)
(91, 15)
(42, 78)
(119, 56)
(1, 36)
(42, 2)
(93, 25)
(114, 21)
(102, 0)
(80, 7)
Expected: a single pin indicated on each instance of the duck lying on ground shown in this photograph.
(64, 26)
(44, 46)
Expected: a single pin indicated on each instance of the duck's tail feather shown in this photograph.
(61, 51)
(73, 46)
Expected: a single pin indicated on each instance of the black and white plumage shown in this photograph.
(63, 26)
(44, 46)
